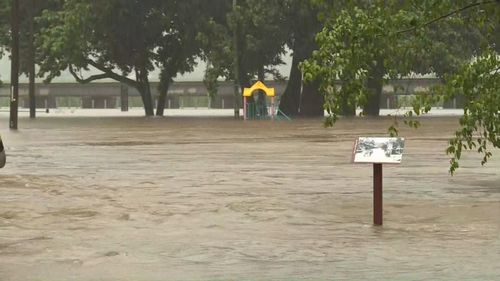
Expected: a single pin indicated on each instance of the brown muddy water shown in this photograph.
(218, 199)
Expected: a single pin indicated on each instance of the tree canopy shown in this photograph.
(368, 42)
(346, 49)
(124, 40)
(360, 46)
(259, 40)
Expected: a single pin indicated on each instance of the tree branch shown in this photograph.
(110, 74)
(86, 80)
(457, 11)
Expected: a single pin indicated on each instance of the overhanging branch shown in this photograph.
(454, 12)
(81, 80)
(110, 74)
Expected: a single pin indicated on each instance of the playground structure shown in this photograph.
(257, 107)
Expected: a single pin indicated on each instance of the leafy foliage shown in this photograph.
(478, 83)
(260, 40)
(361, 47)
(121, 39)
(178, 46)
(301, 24)
(353, 50)
(370, 41)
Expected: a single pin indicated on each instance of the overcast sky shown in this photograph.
(196, 75)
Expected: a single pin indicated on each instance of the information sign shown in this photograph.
(378, 150)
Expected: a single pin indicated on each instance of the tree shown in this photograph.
(123, 40)
(114, 37)
(30, 10)
(302, 25)
(259, 42)
(217, 50)
(360, 47)
(178, 46)
(351, 50)
(477, 81)
(360, 40)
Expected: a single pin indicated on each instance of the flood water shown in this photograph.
(216, 199)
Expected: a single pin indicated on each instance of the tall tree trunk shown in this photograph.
(145, 91)
(348, 108)
(290, 100)
(31, 60)
(124, 97)
(312, 101)
(262, 102)
(162, 99)
(14, 62)
(236, 61)
(301, 99)
(32, 90)
(244, 79)
(211, 83)
(375, 85)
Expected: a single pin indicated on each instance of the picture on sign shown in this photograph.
(378, 150)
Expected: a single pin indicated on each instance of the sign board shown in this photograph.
(378, 150)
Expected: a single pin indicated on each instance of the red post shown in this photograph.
(377, 195)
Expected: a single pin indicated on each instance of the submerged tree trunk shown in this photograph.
(145, 91)
(290, 100)
(301, 99)
(31, 62)
(163, 88)
(312, 101)
(262, 101)
(236, 61)
(32, 90)
(375, 85)
(244, 80)
(162, 99)
(348, 108)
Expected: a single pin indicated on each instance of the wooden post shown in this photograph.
(377, 195)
